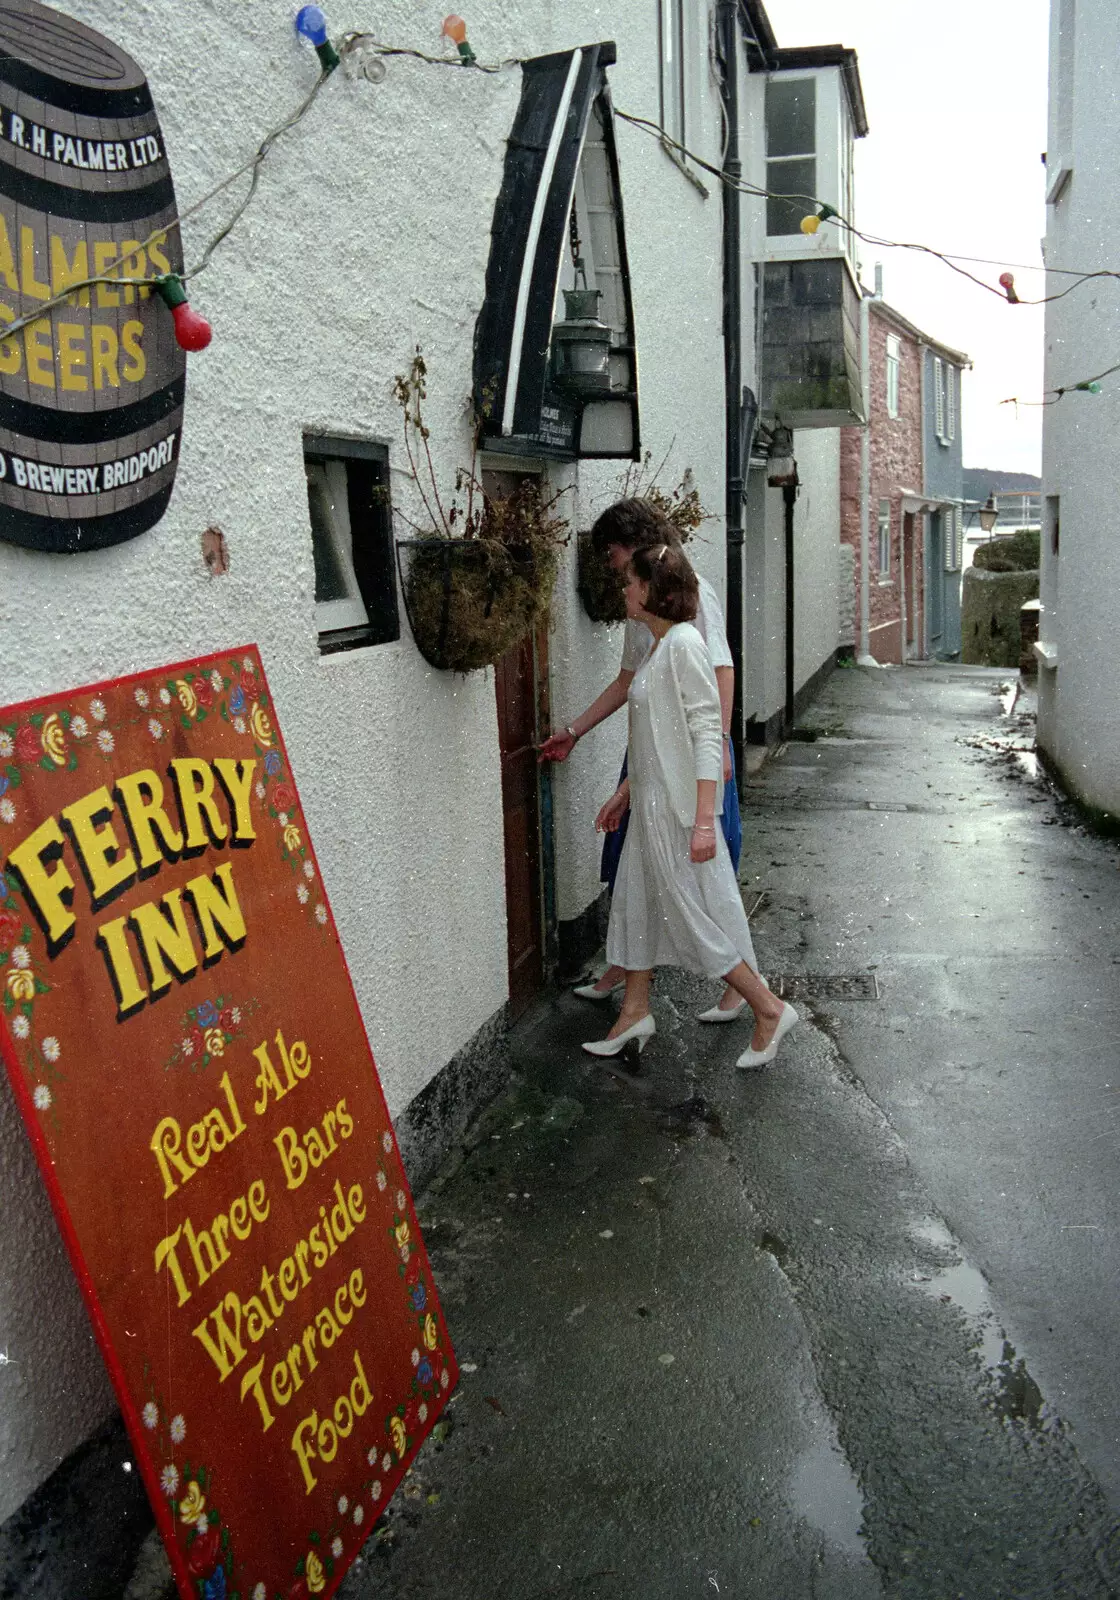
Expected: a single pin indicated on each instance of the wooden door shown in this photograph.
(521, 679)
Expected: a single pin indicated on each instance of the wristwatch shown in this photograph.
(571, 732)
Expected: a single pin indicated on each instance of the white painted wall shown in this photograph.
(816, 541)
(1079, 702)
(371, 231)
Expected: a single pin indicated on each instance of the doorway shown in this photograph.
(938, 536)
(521, 692)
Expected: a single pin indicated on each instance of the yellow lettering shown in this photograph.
(227, 1351)
(31, 285)
(64, 272)
(164, 1145)
(237, 781)
(194, 782)
(72, 357)
(11, 351)
(104, 341)
(107, 866)
(217, 907)
(39, 350)
(7, 260)
(252, 1381)
(291, 1156)
(105, 253)
(141, 794)
(50, 892)
(136, 366)
(161, 936)
(130, 992)
(165, 1255)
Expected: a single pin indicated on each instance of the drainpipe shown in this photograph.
(727, 13)
(864, 652)
(789, 500)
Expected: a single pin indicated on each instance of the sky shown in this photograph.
(956, 102)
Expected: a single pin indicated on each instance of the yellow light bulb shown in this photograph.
(810, 224)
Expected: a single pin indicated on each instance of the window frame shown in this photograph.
(784, 80)
(370, 562)
(893, 373)
(884, 530)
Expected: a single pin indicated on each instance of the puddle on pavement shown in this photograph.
(824, 1493)
(1014, 1395)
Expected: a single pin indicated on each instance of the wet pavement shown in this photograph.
(844, 1327)
(841, 1328)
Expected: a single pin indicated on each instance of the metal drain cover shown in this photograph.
(818, 986)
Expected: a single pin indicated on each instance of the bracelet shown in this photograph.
(703, 827)
(571, 732)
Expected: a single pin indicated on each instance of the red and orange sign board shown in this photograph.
(180, 1029)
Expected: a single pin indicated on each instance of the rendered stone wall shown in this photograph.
(990, 624)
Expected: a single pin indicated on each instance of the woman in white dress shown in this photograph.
(676, 900)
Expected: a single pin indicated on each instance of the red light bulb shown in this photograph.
(1007, 284)
(192, 331)
(455, 28)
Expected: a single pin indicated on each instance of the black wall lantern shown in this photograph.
(581, 345)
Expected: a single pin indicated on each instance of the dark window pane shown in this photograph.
(330, 579)
(791, 117)
(352, 542)
(793, 178)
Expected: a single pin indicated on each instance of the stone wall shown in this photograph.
(990, 623)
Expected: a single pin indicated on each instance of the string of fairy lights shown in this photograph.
(366, 56)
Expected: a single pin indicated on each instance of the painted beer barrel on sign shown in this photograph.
(91, 394)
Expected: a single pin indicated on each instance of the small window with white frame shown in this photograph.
(944, 400)
(884, 541)
(952, 537)
(791, 153)
(894, 363)
(351, 542)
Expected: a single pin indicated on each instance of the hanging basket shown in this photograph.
(598, 584)
(469, 601)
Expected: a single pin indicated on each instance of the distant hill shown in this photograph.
(979, 482)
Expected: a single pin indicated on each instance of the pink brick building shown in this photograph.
(897, 557)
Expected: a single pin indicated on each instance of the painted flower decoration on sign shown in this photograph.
(52, 736)
(193, 1503)
(207, 1029)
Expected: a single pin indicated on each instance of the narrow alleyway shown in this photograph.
(842, 1328)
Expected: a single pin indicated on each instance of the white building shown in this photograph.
(1079, 674)
(371, 232)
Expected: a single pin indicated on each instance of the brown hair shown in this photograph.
(674, 593)
(633, 524)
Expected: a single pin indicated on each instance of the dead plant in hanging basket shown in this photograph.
(599, 586)
(480, 571)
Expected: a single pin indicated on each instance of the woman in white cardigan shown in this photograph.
(676, 900)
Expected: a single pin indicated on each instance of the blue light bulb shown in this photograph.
(312, 25)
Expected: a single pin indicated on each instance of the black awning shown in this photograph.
(512, 388)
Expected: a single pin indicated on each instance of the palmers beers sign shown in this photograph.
(178, 1025)
(91, 393)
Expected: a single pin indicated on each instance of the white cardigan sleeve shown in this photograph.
(699, 699)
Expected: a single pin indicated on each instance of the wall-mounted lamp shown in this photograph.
(781, 469)
(581, 345)
(989, 514)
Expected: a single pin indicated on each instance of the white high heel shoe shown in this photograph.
(715, 1014)
(762, 1058)
(631, 1042)
(588, 991)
